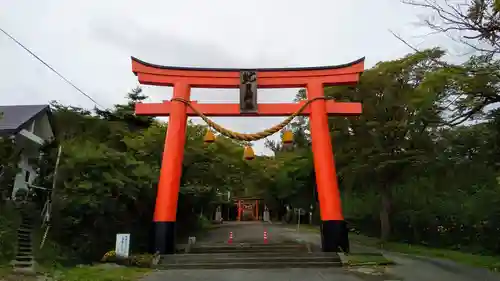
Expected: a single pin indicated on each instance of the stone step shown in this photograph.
(252, 265)
(182, 247)
(24, 239)
(24, 244)
(245, 259)
(22, 263)
(248, 250)
(24, 231)
(249, 246)
(26, 225)
(190, 256)
(24, 252)
(24, 258)
(24, 234)
(243, 245)
(24, 248)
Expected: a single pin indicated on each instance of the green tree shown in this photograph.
(470, 22)
(109, 172)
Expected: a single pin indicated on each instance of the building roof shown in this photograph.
(13, 118)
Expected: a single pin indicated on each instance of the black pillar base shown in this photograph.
(163, 238)
(334, 236)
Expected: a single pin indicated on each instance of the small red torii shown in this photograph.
(314, 79)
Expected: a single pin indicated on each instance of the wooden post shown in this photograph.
(256, 209)
(239, 210)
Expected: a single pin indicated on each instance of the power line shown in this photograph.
(51, 68)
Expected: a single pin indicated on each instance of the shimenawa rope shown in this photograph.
(248, 137)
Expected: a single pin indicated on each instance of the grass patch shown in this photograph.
(359, 259)
(9, 220)
(307, 227)
(5, 270)
(490, 262)
(81, 273)
(210, 226)
(99, 273)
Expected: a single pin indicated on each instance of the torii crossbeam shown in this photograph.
(314, 79)
(266, 109)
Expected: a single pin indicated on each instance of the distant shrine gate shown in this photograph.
(314, 79)
(247, 207)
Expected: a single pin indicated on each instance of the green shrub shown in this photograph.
(203, 223)
(139, 260)
(9, 221)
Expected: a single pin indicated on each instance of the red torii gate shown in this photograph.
(314, 79)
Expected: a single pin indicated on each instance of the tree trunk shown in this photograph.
(385, 223)
(415, 229)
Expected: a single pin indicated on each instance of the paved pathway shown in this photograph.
(242, 232)
(408, 268)
(293, 274)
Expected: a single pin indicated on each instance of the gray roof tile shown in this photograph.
(13, 117)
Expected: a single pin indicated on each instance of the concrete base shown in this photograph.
(334, 236)
(163, 238)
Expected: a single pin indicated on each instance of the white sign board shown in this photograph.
(122, 245)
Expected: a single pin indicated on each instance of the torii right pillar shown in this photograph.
(334, 233)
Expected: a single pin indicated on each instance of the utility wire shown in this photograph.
(51, 68)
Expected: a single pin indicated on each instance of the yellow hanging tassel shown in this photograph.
(287, 137)
(248, 153)
(209, 136)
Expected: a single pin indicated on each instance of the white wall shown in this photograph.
(20, 180)
(41, 128)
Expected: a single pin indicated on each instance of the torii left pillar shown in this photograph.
(333, 230)
(170, 175)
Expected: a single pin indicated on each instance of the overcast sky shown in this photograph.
(90, 42)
